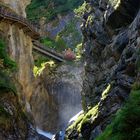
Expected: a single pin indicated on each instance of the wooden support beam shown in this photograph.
(26, 30)
(34, 36)
(13, 22)
(22, 23)
(48, 54)
(21, 26)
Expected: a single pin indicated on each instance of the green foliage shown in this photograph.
(7, 62)
(61, 45)
(115, 3)
(7, 66)
(126, 125)
(4, 118)
(39, 69)
(105, 92)
(58, 44)
(138, 60)
(70, 34)
(4, 112)
(50, 8)
(84, 118)
(81, 9)
(70, 28)
(92, 113)
(49, 43)
(39, 60)
(79, 50)
(136, 85)
(74, 125)
(5, 83)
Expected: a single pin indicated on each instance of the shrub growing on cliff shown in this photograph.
(83, 119)
(5, 83)
(50, 8)
(7, 65)
(61, 45)
(126, 125)
(71, 34)
(7, 62)
(58, 45)
(79, 51)
(82, 9)
(49, 42)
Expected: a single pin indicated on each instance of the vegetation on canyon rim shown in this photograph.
(50, 8)
(126, 124)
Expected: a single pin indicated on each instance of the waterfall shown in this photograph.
(45, 133)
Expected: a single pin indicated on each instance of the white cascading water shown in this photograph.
(61, 133)
(44, 133)
(75, 117)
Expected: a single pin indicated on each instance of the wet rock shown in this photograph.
(111, 62)
(73, 135)
(120, 14)
(57, 96)
(96, 132)
(15, 125)
(43, 138)
(85, 130)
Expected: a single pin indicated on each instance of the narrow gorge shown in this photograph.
(70, 70)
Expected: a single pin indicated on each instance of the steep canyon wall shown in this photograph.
(111, 51)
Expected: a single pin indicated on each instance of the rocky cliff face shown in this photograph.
(66, 27)
(15, 124)
(63, 85)
(17, 5)
(33, 93)
(20, 50)
(111, 42)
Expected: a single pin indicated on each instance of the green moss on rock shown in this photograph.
(50, 8)
(5, 83)
(7, 67)
(126, 125)
(105, 92)
(84, 118)
(7, 62)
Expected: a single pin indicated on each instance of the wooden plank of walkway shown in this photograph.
(13, 18)
(29, 29)
(39, 45)
(48, 54)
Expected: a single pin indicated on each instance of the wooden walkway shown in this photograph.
(48, 52)
(22, 23)
(31, 30)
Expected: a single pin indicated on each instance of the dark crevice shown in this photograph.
(124, 14)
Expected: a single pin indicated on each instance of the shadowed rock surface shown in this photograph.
(111, 43)
(57, 96)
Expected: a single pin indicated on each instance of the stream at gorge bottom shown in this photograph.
(59, 135)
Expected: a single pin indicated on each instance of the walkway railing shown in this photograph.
(49, 52)
(31, 29)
